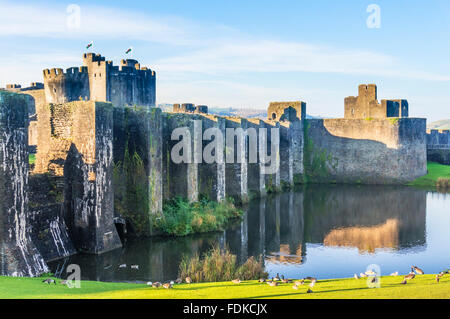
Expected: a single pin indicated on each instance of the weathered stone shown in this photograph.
(88, 173)
(18, 254)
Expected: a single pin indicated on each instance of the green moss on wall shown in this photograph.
(317, 161)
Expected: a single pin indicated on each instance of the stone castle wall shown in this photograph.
(19, 255)
(377, 151)
(438, 146)
(108, 163)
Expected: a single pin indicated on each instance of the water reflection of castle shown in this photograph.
(278, 228)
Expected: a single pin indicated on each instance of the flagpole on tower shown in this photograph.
(129, 51)
(90, 45)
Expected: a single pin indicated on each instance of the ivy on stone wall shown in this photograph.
(131, 200)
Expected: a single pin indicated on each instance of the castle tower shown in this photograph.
(62, 87)
(366, 105)
(99, 80)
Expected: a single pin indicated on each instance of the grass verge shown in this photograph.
(435, 171)
(423, 286)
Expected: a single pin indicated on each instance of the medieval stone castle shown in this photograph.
(102, 157)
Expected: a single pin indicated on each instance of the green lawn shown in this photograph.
(435, 171)
(421, 287)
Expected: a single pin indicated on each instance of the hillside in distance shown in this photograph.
(439, 125)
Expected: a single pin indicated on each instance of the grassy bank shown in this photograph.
(421, 287)
(435, 171)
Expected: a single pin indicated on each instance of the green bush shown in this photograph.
(181, 218)
(217, 265)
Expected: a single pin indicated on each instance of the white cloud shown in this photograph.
(30, 20)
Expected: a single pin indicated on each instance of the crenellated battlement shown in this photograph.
(59, 73)
(189, 108)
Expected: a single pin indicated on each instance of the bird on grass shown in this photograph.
(49, 281)
(299, 282)
(277, 278)
(156, 284)
(236, 281)
(310, 279)
(188, 280)
(284, 280)
(309, 291)
(417, 270)
(168, 285)
(410, 276)
(261, 280)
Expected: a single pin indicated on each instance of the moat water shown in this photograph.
(322, 231)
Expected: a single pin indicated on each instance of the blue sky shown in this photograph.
(246, 53)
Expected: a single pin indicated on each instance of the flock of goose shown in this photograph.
(275, 281)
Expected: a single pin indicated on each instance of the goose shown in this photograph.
(135, 267)
(356, 276)
(188, 280)
(310, 279)
(285, 281)
(411, 275)
(49, 281)
(261, 280)
(394, 273)
(236, 281)
(309, 291)
(277, 278)
(417, 270)
(167, 285)
(156, 284)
